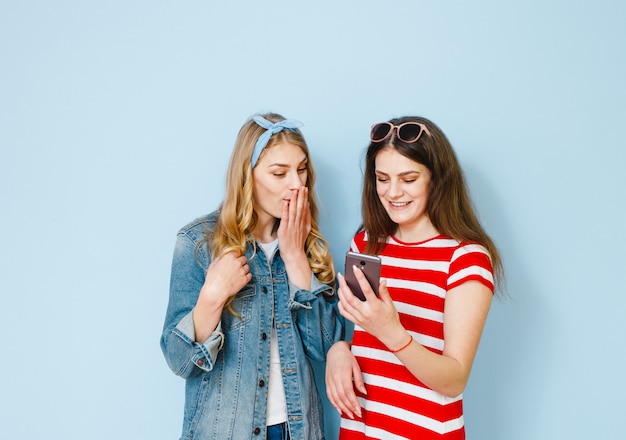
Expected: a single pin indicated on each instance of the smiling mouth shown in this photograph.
(399, 204)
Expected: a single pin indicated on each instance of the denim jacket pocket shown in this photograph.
(198, 395)
(241, 305)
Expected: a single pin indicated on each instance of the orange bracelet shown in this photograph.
(404, 346)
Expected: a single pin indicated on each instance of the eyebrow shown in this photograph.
(404, 173)
(286, 165)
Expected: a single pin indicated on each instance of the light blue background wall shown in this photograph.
(116, 123)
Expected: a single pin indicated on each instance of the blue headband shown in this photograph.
(270, 129)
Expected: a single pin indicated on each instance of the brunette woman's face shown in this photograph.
(281, 169)
(402, 186)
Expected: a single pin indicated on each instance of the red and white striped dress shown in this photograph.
(397, 405)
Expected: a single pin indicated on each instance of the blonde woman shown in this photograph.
(252, 296)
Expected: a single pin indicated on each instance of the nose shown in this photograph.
(395, 189)
(294, 181)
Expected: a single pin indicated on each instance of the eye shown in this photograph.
(278, 174)
(382, 179)
(410, 177)
(301, 170)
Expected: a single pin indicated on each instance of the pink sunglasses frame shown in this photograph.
(397, 128)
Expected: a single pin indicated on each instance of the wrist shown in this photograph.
(342, 345)
(400, 344)
(299, 272)
(210, 300)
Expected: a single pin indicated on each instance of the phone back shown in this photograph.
(369, 264)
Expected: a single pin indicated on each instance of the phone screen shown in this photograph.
(369, 264)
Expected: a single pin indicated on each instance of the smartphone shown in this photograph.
(369, 264)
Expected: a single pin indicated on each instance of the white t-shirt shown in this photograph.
(276, 401)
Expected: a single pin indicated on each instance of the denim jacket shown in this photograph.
(227, 375)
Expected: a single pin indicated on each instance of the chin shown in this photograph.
(278, 214)
(401, 219)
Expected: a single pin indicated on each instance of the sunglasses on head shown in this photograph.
(408, 132)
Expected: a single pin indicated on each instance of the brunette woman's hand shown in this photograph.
(376, 315)
(295, 226)
(226, 276)
(343, 374)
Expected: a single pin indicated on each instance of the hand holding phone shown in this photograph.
(369, 264)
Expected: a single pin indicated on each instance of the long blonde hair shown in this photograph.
(237, 217)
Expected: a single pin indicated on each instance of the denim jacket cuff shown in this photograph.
(300, 298)
(204, 353)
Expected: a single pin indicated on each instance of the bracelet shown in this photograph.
(404, 346)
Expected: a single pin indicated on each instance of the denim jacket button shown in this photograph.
(264, 289)
(200, 362)
(257, 431)
(261, 383)
(264, 336)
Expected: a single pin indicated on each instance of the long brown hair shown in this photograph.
(449, 206)
(237, 217)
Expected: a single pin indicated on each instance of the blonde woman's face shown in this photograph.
(281, 169)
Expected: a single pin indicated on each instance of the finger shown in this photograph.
(346, 297)
(285, 217)
(302, 201)
(350, 401)
(306, 218)
(352, 304)
(335, 399)
(293, 206)
(231, 258)
(303, 209)
(383, 293)
(343, 312)
(343, 403)
(350, 313)
(331, 393)
(365, 285)
(358, 380)
(343, 286)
